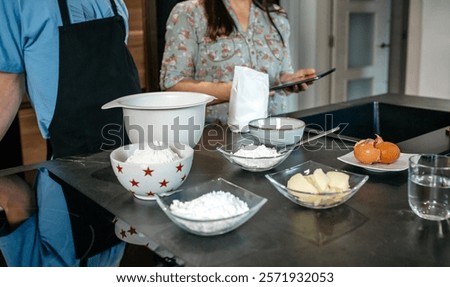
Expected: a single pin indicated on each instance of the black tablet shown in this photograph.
(307, 80)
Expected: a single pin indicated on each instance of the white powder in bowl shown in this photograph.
(257, 157)
(256, 151)
(153, 155)
(210, 206)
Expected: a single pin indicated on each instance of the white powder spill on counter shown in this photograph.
(210, 206)
(252, 156)
(153, 155)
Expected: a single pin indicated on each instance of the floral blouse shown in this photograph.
(190, 54)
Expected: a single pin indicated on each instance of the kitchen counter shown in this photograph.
(376, 227)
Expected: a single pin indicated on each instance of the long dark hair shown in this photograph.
(220, 22)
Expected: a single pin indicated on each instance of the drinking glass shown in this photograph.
(429, 186)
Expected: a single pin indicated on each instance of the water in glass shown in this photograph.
(429, 196)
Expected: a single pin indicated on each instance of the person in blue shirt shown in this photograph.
(70, 57)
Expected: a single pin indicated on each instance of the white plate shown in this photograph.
(400, 164)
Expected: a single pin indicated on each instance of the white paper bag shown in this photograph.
(249, 98)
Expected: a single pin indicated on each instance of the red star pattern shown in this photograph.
(134, 183)
(119, 168)
(150, 193)
(123, 233)
(148, 171)
(180, 167)
(163, 183)
(132, 230)
(183, 178)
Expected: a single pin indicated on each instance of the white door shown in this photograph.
(360, 48)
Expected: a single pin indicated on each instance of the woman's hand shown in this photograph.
(298, 76)
(220, 90)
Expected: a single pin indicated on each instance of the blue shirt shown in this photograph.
(29, 43)
(45, 238)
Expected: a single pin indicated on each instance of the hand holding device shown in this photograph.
(303, 81)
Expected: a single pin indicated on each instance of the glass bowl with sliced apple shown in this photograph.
(315, 185)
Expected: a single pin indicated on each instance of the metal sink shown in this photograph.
(393, 122)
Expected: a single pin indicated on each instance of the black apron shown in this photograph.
(95, 67)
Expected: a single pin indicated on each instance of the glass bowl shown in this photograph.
(210, 227)
(253, 160)
(315, 200)
(277, 130)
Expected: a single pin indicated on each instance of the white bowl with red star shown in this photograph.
(144, 180)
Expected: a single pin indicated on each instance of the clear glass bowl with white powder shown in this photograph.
(249, 154)
(211, 208)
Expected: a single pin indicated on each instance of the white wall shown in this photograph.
(308, 32)
(428, 64)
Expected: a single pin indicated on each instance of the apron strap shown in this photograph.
(64, 10)
(114, 7)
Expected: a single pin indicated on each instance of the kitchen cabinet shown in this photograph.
(136, 37)
(147, 22)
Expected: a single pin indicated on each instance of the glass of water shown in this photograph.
(429, 186)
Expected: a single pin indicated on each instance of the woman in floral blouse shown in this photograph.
(206, 39)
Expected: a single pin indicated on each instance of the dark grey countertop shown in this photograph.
(436, 104)
(374, 228)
